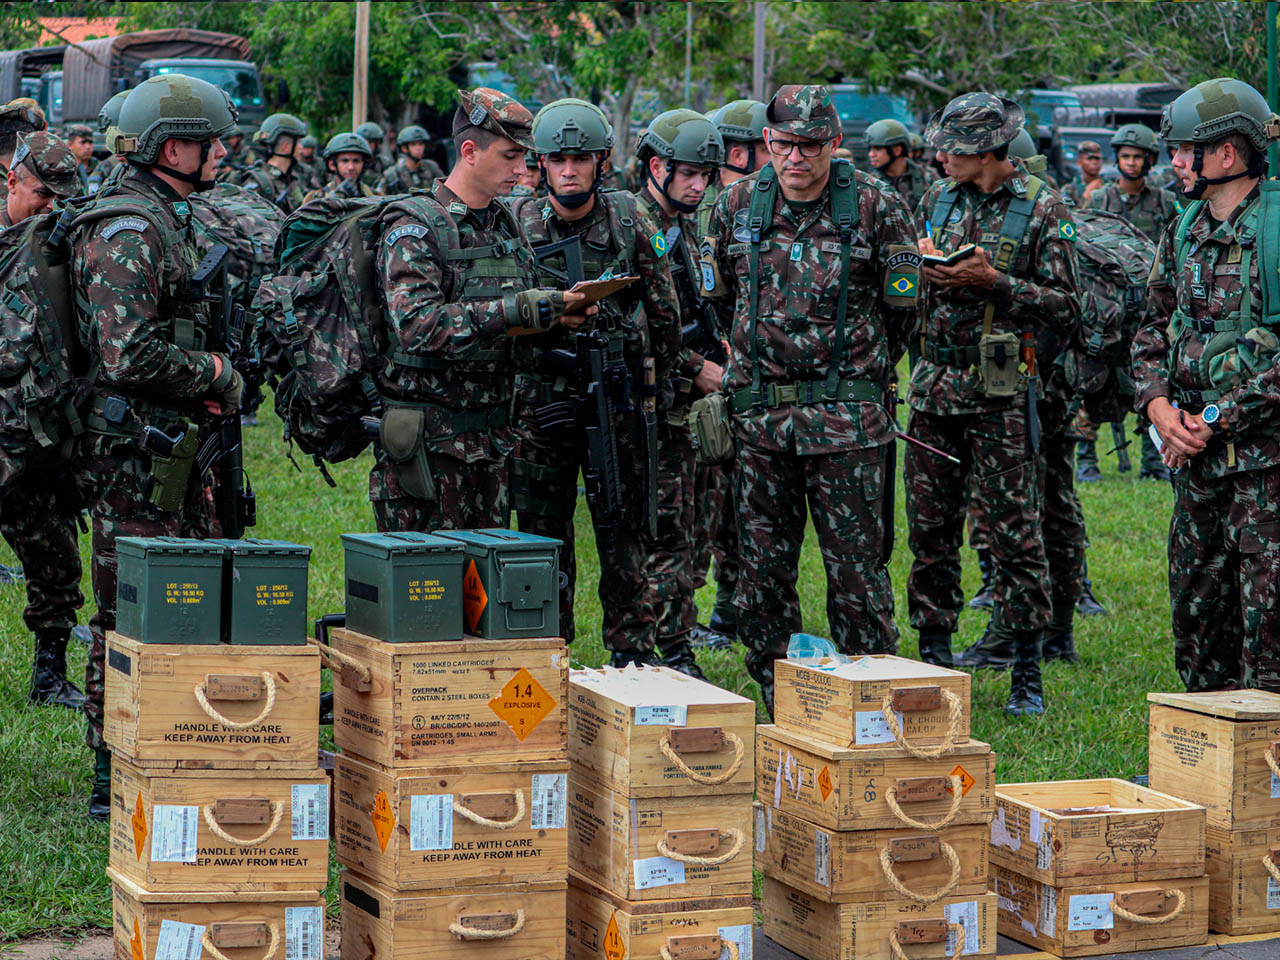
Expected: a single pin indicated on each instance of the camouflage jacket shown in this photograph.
(446, 317)
(913, 183)
(398, 178)
(799, 288)
(285, 190)
(643, 318)
(1148, 210)
(1073, 189)
(373, 170)
(708, 205)
(1209, 288)
(689, 361)
(338, 187)
(1041, 289)
(102, 172)
(133, 304)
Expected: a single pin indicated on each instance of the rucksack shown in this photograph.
(248, 225)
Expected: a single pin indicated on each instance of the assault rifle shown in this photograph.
(701, 332)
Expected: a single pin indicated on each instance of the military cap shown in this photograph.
(22, 115)
(50, 160)
(805, 110)
(496, 112)
(77, 130)
(974, 123)
(1089, 147)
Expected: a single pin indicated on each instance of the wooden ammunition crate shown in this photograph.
(151, 925)
(846, 703)
(845, 866)
(1244, 894)
(601, 926)
(818, 930)
(1080, 921)
(618, 842)
(655, 732)
(410, 829)
(165, 828)
(500, 922)
(1067, 832)
(845, 789)
(1220, 750)
(484, 700)
(260, 710)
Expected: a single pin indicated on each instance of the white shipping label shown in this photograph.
(179, 941)
(1044, 851)
(872, 727)
(1275, 787)
(761, 838)
(173, 833)
(310, 811)
(1273, 894)
(656, 872)
(1048, 910)
(304, 933)
(1090, 911)
(741, 935)
(431, 821)
(822, 858)
(672, 715)
(966, 915)
(549, 795)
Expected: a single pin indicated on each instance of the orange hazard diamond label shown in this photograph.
(614, 947)
(522, 704)
(824, 783)
(474, 597)
(139, 821)
(966, 780)
(384, 819)
(135, 944)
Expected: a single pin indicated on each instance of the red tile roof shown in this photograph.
(75, 29)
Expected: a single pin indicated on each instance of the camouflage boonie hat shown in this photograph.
(77, 130)
(496, 112)
(50, 160)
(974, 123)
(805, 110)
(22, 115)
(1089, 147)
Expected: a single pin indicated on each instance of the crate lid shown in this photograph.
(1228, 704)
(254, 546)
(652, 686)
(500, 539)
(409, 542)
(879, 667)
(836, 753)
(142, 546)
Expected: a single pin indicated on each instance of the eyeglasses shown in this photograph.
(807, 148)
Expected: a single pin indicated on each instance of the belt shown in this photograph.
(466, 421)
(961, 357)
(805, 393)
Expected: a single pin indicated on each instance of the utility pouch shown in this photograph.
(169, 472)
(710, 429)
(401, 436)
(998, 364)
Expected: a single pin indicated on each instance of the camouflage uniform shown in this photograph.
(400, 179)
(795, 447)
(912, 185)
(338, 187)
(1149, 210)
(286, 190)
(103, 172)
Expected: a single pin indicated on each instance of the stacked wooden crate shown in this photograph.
(659, 817)
(219, 809)
(451, 789)
(1222, 750)
(871, 826)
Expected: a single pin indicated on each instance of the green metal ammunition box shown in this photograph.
(404, 587)
(169, 590)
(510, 583)
(264, 592)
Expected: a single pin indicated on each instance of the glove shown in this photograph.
(229, 386)
(536, 309)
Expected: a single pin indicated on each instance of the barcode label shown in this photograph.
(653, 872)
(549, 798)
(173, 833)
(431, 821)
(304, 933)
(822, 858)
(179, 941)
(964, 914)
(870, 727)
(1273, 894)
(310, 811)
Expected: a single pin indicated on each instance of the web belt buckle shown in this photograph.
(778, 394)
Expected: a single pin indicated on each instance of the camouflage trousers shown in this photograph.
(997, 469)
(114, 477)
(1224, 579)
(715, 533)
(670, 564)
(845, 494)
(473, 495)
(40, 526)
(544, 493)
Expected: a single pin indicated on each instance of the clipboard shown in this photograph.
(597, 290)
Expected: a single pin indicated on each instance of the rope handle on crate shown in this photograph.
(471, 933)
(203, 699)
(957, 795)
(895, 948)
(494, 824)
(955, 713)
(706, 779)
(221, 834)
(331, 655)
(715, 861)
(207, 943)
(902, 890)
(1139, 919)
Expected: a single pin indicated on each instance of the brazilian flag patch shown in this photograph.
(659, 242)
(903, 284)
(1066, 230)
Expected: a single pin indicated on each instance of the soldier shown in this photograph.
(1089, 177)
(458, 279)
(143, 332)
(108, 117)
(530, 178)
(1023, 148)
(79, 137)
(373, 169)
(40, 510)
(345, 155)
(579, 232)
(968, 395)
(681, 151)
(916, 142)
(1205, 362)
(16, 118)
(412, 171)
(888, 143)
(237, 160)
(310, 168)
(276, 175)
(818, 275)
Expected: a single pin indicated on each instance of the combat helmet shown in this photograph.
(109, 115)
(974, 123)
(915, 143)
(412, 134)
(572, 126)
(280, 125)
(371, 131)
(1212, 110)
(309, 141)
(346, 143)
(888, 133)
(680, 136)
(1022, 146)
(740, 121)
(1142, 137)
(173, 106)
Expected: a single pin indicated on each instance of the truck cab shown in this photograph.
(239, 78)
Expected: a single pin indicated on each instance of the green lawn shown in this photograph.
(55, 858)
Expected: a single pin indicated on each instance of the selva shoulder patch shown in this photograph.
(137, 224)
(407, 230)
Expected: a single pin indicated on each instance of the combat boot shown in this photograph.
(724, 615)
(993, 652)
(1087, 462)
(684, 662)
(49, 683)
(626, 658)
(1060, 638)
(1026, 690)
(984, 598)
(1088, 605)
(100, 793)
(935, 647)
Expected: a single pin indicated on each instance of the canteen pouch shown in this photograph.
(710, 430)
(1228, 359)
(169, 473)
(401, 435)
(998, 364)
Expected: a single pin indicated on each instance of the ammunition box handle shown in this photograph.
(707, 779)
(202, 698)
(475, 818)
(1272, 749)
(957, 795)
(900, 931)
(216, 829)
(924, 899)
(462, 931)
(955, 712)
(671, 950)
(1145, 921)
(736, 836)
(350, 671)
(1272, 862)
(207, 943)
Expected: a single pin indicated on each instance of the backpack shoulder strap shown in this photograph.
(942, 208)
(844, 211)
(1268, 245)
(764, 196)
(1013, 232)
(1181, 246)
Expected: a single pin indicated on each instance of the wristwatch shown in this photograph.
(1211, 416)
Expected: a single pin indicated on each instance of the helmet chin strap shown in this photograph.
(662, 188)
(1202, 182)
(751, 161)
(192, 178)
(574, 200)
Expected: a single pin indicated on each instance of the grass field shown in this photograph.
(55, 858)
